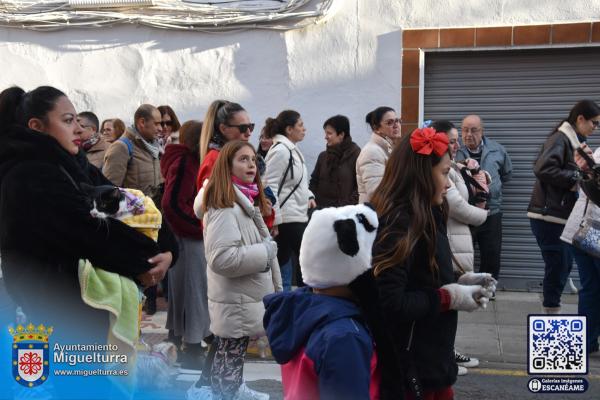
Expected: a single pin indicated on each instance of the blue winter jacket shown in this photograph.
(324, 348)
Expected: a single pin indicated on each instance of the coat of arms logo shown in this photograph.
(31, 363)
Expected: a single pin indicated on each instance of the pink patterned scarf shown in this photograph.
(250, 190)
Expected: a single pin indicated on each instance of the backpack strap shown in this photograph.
(289, 168)
(129, 145)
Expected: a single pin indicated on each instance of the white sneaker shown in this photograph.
(199, 393)
(465, 361)
(551, 310)
(462, 371)
(245, 393)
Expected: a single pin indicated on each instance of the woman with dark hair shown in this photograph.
(170, 125)
(373, 157)
(46, 226)
(287, 177)
(264, 145)
(554, 195)
(187, 317)
(333, 180)
(417, 289)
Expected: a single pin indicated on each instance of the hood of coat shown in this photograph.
(291, 317)
(18, 144)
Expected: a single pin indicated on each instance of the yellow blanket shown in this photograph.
(149, 222)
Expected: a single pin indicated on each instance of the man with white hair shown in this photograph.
(493, 158)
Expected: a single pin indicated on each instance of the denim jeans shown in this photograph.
(286, 275)
(557, 259)
(589, 294)
(288, 243)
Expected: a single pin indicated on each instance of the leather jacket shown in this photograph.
(554, 193)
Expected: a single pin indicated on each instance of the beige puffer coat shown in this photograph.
(139, 171)
(236, 258)
(461, 215)
(370, 166)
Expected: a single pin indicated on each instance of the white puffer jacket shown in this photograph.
(295, 208)
(576, 216)
(461, 215)
(236, 257)
(370, 166)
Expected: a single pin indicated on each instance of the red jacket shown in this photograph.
(206, 170)
(179, 166)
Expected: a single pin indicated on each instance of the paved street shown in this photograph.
(497, 336)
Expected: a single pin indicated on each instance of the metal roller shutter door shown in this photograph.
(521, 95)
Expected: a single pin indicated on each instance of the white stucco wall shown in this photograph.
(348, 65)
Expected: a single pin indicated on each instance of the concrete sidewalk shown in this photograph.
(498, 334)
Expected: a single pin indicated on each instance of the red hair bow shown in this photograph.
(424, 141)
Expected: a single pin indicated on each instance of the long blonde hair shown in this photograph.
(219, 192)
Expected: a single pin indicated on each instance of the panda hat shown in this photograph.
(336, 246)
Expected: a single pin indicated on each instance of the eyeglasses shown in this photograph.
(471, 130)
(243, 127)
(85, 126)
(392, 121)
(166, 123)
(596, 123)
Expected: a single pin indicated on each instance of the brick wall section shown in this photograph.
(415, 40)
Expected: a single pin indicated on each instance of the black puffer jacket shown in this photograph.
(333, 181)
(553, 196)
(408, 294)
(46, 227)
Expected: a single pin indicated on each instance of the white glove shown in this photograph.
(271, 247)
(471, 278)
(465, 297)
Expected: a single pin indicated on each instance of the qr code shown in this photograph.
(557, 344)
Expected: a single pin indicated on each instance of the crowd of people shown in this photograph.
(378, 240)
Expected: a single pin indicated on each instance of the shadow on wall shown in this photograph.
(320, 71)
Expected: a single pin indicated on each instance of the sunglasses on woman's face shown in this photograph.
(596, 123)
(166, 123)
(243, 127)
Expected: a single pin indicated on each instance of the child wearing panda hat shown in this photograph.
(317, 332)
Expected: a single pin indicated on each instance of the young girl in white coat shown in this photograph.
(242, 264)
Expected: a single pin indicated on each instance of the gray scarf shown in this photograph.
(152, 147)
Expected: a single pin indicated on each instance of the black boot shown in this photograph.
(193, 356)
